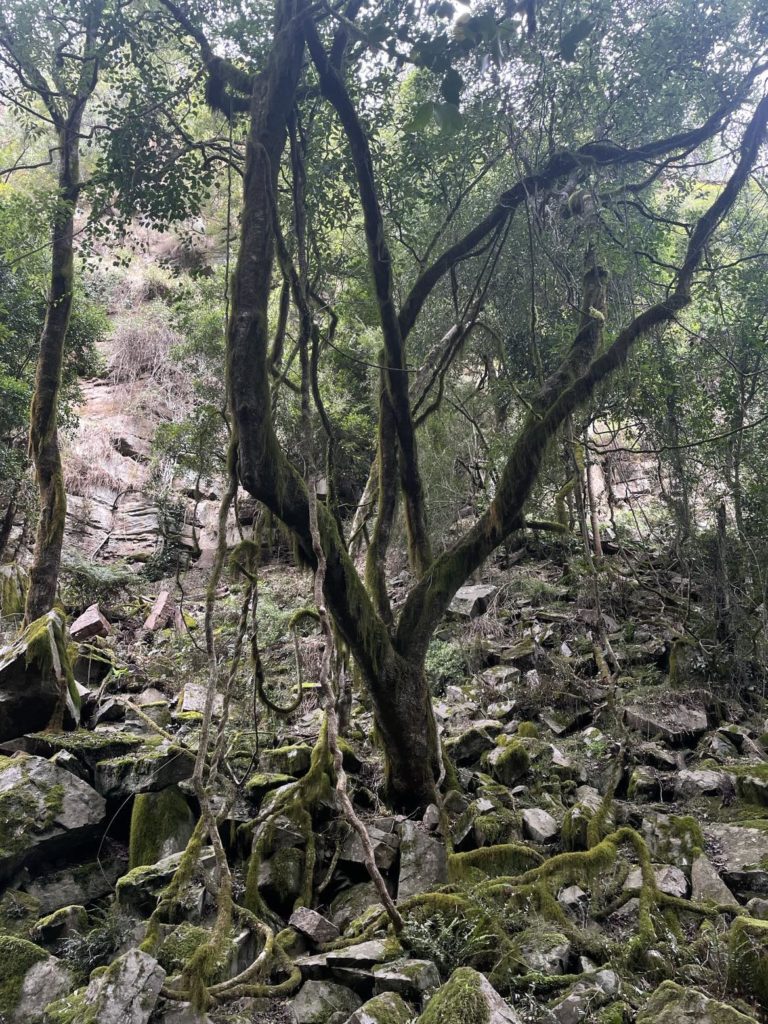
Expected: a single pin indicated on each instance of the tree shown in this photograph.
(53, 55)
(582, 160)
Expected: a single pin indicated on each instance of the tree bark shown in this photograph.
(43, 433)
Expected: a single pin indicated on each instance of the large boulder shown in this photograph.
(35, 677)
(387, 1008)
(676, 718)
(45, 811)
(324, 1002)
(126, 993)
(739, 855)
(423, 861)
(673, 1004)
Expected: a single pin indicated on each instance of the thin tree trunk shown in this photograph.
(8, 518)
(43, 435)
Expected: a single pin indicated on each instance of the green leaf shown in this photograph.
(451, 86)
(448, 117)
(421, 117)
(576, 34)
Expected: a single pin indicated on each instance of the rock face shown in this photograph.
(673, 1004)
(44, 811)
(125, 994)
(468, 996)
(33, 681)
(29, 979)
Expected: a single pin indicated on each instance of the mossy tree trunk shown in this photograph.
(390, 652)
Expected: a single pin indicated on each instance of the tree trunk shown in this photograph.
(6, 526)
(44, 440)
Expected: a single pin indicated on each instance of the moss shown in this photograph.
(261, 783)
(60, 918)
(616, 1013)
(17, 956)
(18, 913)
(47, 650)
(491, 861)
(459, 1001)
(157, 818)
(12, 590)
(528, 730)
(498, 826)
(748, 963)
(184, 941)
(512, 764)
(21, 811)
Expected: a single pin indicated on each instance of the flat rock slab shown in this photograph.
(146, 770)
(316, 927)
(161, 612)
(539, 825)
(31, 688)
(363, 954)
(674, 719)
(44, 811)
(321, 1002)
(411, 978)
(707, 885)
(738, 854)
(469, 602)
(669, 880)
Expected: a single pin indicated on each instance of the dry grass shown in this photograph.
(91, 463)
(140, 347)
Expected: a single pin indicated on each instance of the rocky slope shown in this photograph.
(601, 853)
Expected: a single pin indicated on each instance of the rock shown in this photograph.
(324, 1002)
(708, 886)
(18, 913)
(161, 612)
(385, 846)
(738, 853)
(33, 678)
(137, 891)
(261, 783)
(701, 782)
(29, 980)
(146, 770)
(671, 717)
(509, 763)
(572, 898)
(89, 747)
(431, 817)
(585, 995)
(44, 812)
(110, 710)
(539, 825)
(576, 822)
(82, 883)
(352, 903)
(90, 623)
(281, 876)
(192, 700)
(362, 954)
(316, 927)
(673, 1004)
(386, 1008)
(161, 824)
(423, 861)
(293, 760)
(545, 951)
(669, 880)
(748, 961)
(758, 908)
(469, 746)
(411, 978)
(126, 993)
(467, 997)
(472, 601)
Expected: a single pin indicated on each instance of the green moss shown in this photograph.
(491, 861)
(17, 956)
(183, 942)
(261, 783)
(56, 921)
(512, 764)
(748, 963)
(459, 1001)
(528, 730)
(157, 818)
(18, 913)
(21, 811)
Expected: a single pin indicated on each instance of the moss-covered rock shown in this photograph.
(18, 913)
(161, 824)
(510, 763)
(673, 1004)
(467, 998)
(291, 760)
(16, 957)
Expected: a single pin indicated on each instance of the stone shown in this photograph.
(35, 978)
(539, 825)
(469, 746)
(670, 717)
(692, 782)
(411, 978)
(324, 1002)
(82, 883)
(467, 997)
(385, 846)
(386, 1008)
(572, 897)
(758, 908)
(161, 824)
(362, 954)
(91, 623)
(586, 995)
(192, 700)
(544, 951)
(509, 763)
(352, 903)
(293, 760)
(161, 612)
(146, 770)
(44, 812)
(707, 885)
(33, 678)
(738, 854)
(471, 601)
(316, 927)
(669, 879)
(673, 1004)
(423, 861)
(63, 922)
(126, 993)
(137, 891)
(431, 817)
(281, 876)
(110, 710)
(261, 783)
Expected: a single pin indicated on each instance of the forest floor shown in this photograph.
(601, 852)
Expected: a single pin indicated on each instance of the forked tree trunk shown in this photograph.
(43, 434)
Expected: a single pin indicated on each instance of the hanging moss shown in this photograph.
(156, 819)
(16, 956)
